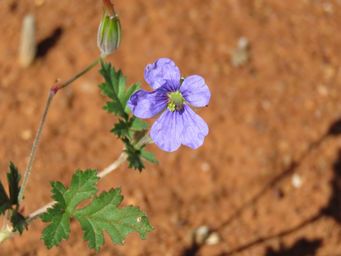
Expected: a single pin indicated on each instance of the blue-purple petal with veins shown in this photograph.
(194, 130)
(145, 104)
(166, 131)
(157, 73)
(195, 91)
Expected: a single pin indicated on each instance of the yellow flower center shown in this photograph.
(175, 101)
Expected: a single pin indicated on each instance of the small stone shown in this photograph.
(240, 55)
(296, 181)
(28, 45)
(243, 43)
(213, 239)
(200, 234)
(26, 135)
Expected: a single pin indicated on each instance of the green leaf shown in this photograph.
(113, 88)
(13, 178)
(116, 89)
(121, 81)
(59, 228)
(139, 125)
(103, 214)
(83, 186)
(126, 97)
(122, 128)
(134, 156)
(18, 221)
(113, 106)
(149, 156)
(5, 203)
(128, 128)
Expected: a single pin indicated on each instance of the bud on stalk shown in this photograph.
(109, 31)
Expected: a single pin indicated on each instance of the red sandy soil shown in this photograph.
(270, 119)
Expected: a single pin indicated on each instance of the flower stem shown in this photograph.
(36, 141)
(28, 169)
(81, 73)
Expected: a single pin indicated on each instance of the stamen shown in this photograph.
(175, 101)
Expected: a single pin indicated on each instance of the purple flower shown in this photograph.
(178, 124)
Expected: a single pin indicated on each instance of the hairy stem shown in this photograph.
(81, 73)
(36, 141)
(28, 169)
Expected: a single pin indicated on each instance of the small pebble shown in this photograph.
(200, 234)
(28, 47)
(240, 55)
(213, 239)
(296, 181)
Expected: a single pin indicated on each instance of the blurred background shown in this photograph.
(267, 180)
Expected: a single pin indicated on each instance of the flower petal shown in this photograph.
(145, 104)
(194, 130)
(195, 91)
(159, 72)
(166, 131)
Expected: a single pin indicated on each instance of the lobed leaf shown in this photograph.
(103, 214)
(113, 88)
(116, 89)
(83, 186)
(59, 228)
(134, 156)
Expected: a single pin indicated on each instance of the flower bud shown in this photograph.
(109, 33)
